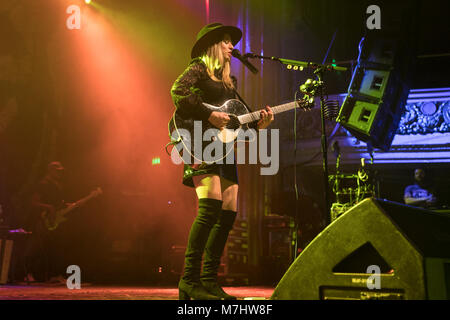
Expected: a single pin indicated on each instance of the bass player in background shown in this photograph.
(43, 254)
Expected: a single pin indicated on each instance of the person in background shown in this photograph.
(42, 254)
(421, 193)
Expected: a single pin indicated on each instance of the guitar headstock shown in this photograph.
(310, 89)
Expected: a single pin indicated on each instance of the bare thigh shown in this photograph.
(207, 186)
(215, 187)
(229, 195)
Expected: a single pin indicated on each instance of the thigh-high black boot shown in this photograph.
(190, 285)
(213, 252)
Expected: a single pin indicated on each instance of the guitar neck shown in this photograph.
(81, 202)
(254, 116)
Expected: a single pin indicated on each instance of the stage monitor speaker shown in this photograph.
(378, 91)
(409, 248)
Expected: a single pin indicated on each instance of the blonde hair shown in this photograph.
(214, 60)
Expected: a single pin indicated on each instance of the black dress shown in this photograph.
(193, 87)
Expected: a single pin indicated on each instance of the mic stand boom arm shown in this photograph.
(296, 63)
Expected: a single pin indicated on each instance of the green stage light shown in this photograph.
(156, 161)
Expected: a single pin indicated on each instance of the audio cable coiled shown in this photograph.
(330, 107)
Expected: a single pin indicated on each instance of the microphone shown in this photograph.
(235, 53)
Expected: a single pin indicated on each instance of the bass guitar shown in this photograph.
(52, 221)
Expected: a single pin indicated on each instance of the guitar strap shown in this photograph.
(172, 140)
(242, 100)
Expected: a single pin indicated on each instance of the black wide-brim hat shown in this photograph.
(213, 33)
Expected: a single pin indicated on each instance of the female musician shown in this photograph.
(207, 79)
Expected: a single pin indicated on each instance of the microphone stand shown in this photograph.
(319, 70)
(319, 74)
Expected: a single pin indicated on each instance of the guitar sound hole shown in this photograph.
(233, 123)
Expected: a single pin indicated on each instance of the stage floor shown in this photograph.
(95, 292)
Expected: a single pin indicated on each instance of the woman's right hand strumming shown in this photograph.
(219, 119)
